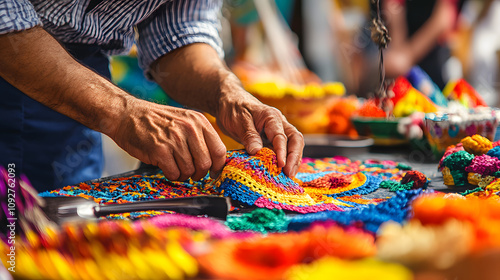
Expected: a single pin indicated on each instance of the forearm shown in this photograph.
(35, 63)
(196, 77)
(422, 42)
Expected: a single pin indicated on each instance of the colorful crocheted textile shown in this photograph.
(327, 184)
(475, 163)
(334, 184)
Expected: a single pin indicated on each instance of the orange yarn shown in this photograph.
(271, 256)
(482, 214)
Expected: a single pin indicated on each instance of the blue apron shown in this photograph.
(51, 149)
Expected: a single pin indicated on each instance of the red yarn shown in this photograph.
(419, 180)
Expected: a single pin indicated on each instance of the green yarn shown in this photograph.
(376, 165)
(496, 174)
(458, 160)
(459, 177)
(478, 189)
(396, 186)
(402, 166)
(260, 220)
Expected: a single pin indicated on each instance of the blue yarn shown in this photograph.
(495, 152)
(372, 183)
(48, 194)
(396, 209)
(237, 191)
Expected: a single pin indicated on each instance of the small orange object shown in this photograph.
(371, 110)
(340, 116)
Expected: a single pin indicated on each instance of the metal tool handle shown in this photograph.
(213, 206)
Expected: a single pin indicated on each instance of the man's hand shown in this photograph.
(194, 75)
(181, 142)
(248, 121)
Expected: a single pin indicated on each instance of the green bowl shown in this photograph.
(384, 132)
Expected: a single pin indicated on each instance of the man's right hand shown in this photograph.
(181, 142)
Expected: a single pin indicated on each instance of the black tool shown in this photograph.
(73, 209)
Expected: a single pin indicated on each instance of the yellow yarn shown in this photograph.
(447, 178)
(477, 144)
(333, 268)
(474, 178)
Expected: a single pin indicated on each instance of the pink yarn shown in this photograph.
(217, 229)
(265, 203)
(484, 165)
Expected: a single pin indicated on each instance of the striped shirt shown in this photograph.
(156, 26)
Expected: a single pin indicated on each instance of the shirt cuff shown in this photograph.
(17, 15)
(165, 33)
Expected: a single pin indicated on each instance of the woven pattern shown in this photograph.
(334, 184)
(327, 184)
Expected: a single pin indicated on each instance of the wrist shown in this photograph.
(115, 112)
(232, 94)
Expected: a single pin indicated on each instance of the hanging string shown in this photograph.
(380, 35)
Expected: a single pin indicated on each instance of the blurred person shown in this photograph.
(419, 31)
(477, 45)
(57, 99)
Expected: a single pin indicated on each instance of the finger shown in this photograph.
(251, 138)
(295, 150)
(184, 161)
(217, 151)
(276, 134)
(201, 156)
(168, 166)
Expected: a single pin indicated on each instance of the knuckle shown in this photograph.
(294, 155)
(187, 171)
(204, 165)
(220, 152)
(171, 175)
(296, 135)
(249, 135)
(195, 115)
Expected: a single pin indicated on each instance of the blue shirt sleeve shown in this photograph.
(17, 15)
(176, 24)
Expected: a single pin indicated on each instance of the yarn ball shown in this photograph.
(484, 165)
(458, 160)
(419, 180)
(477, 144)
(450, 150)
(494, 152)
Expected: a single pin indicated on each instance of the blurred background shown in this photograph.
(316, 62)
